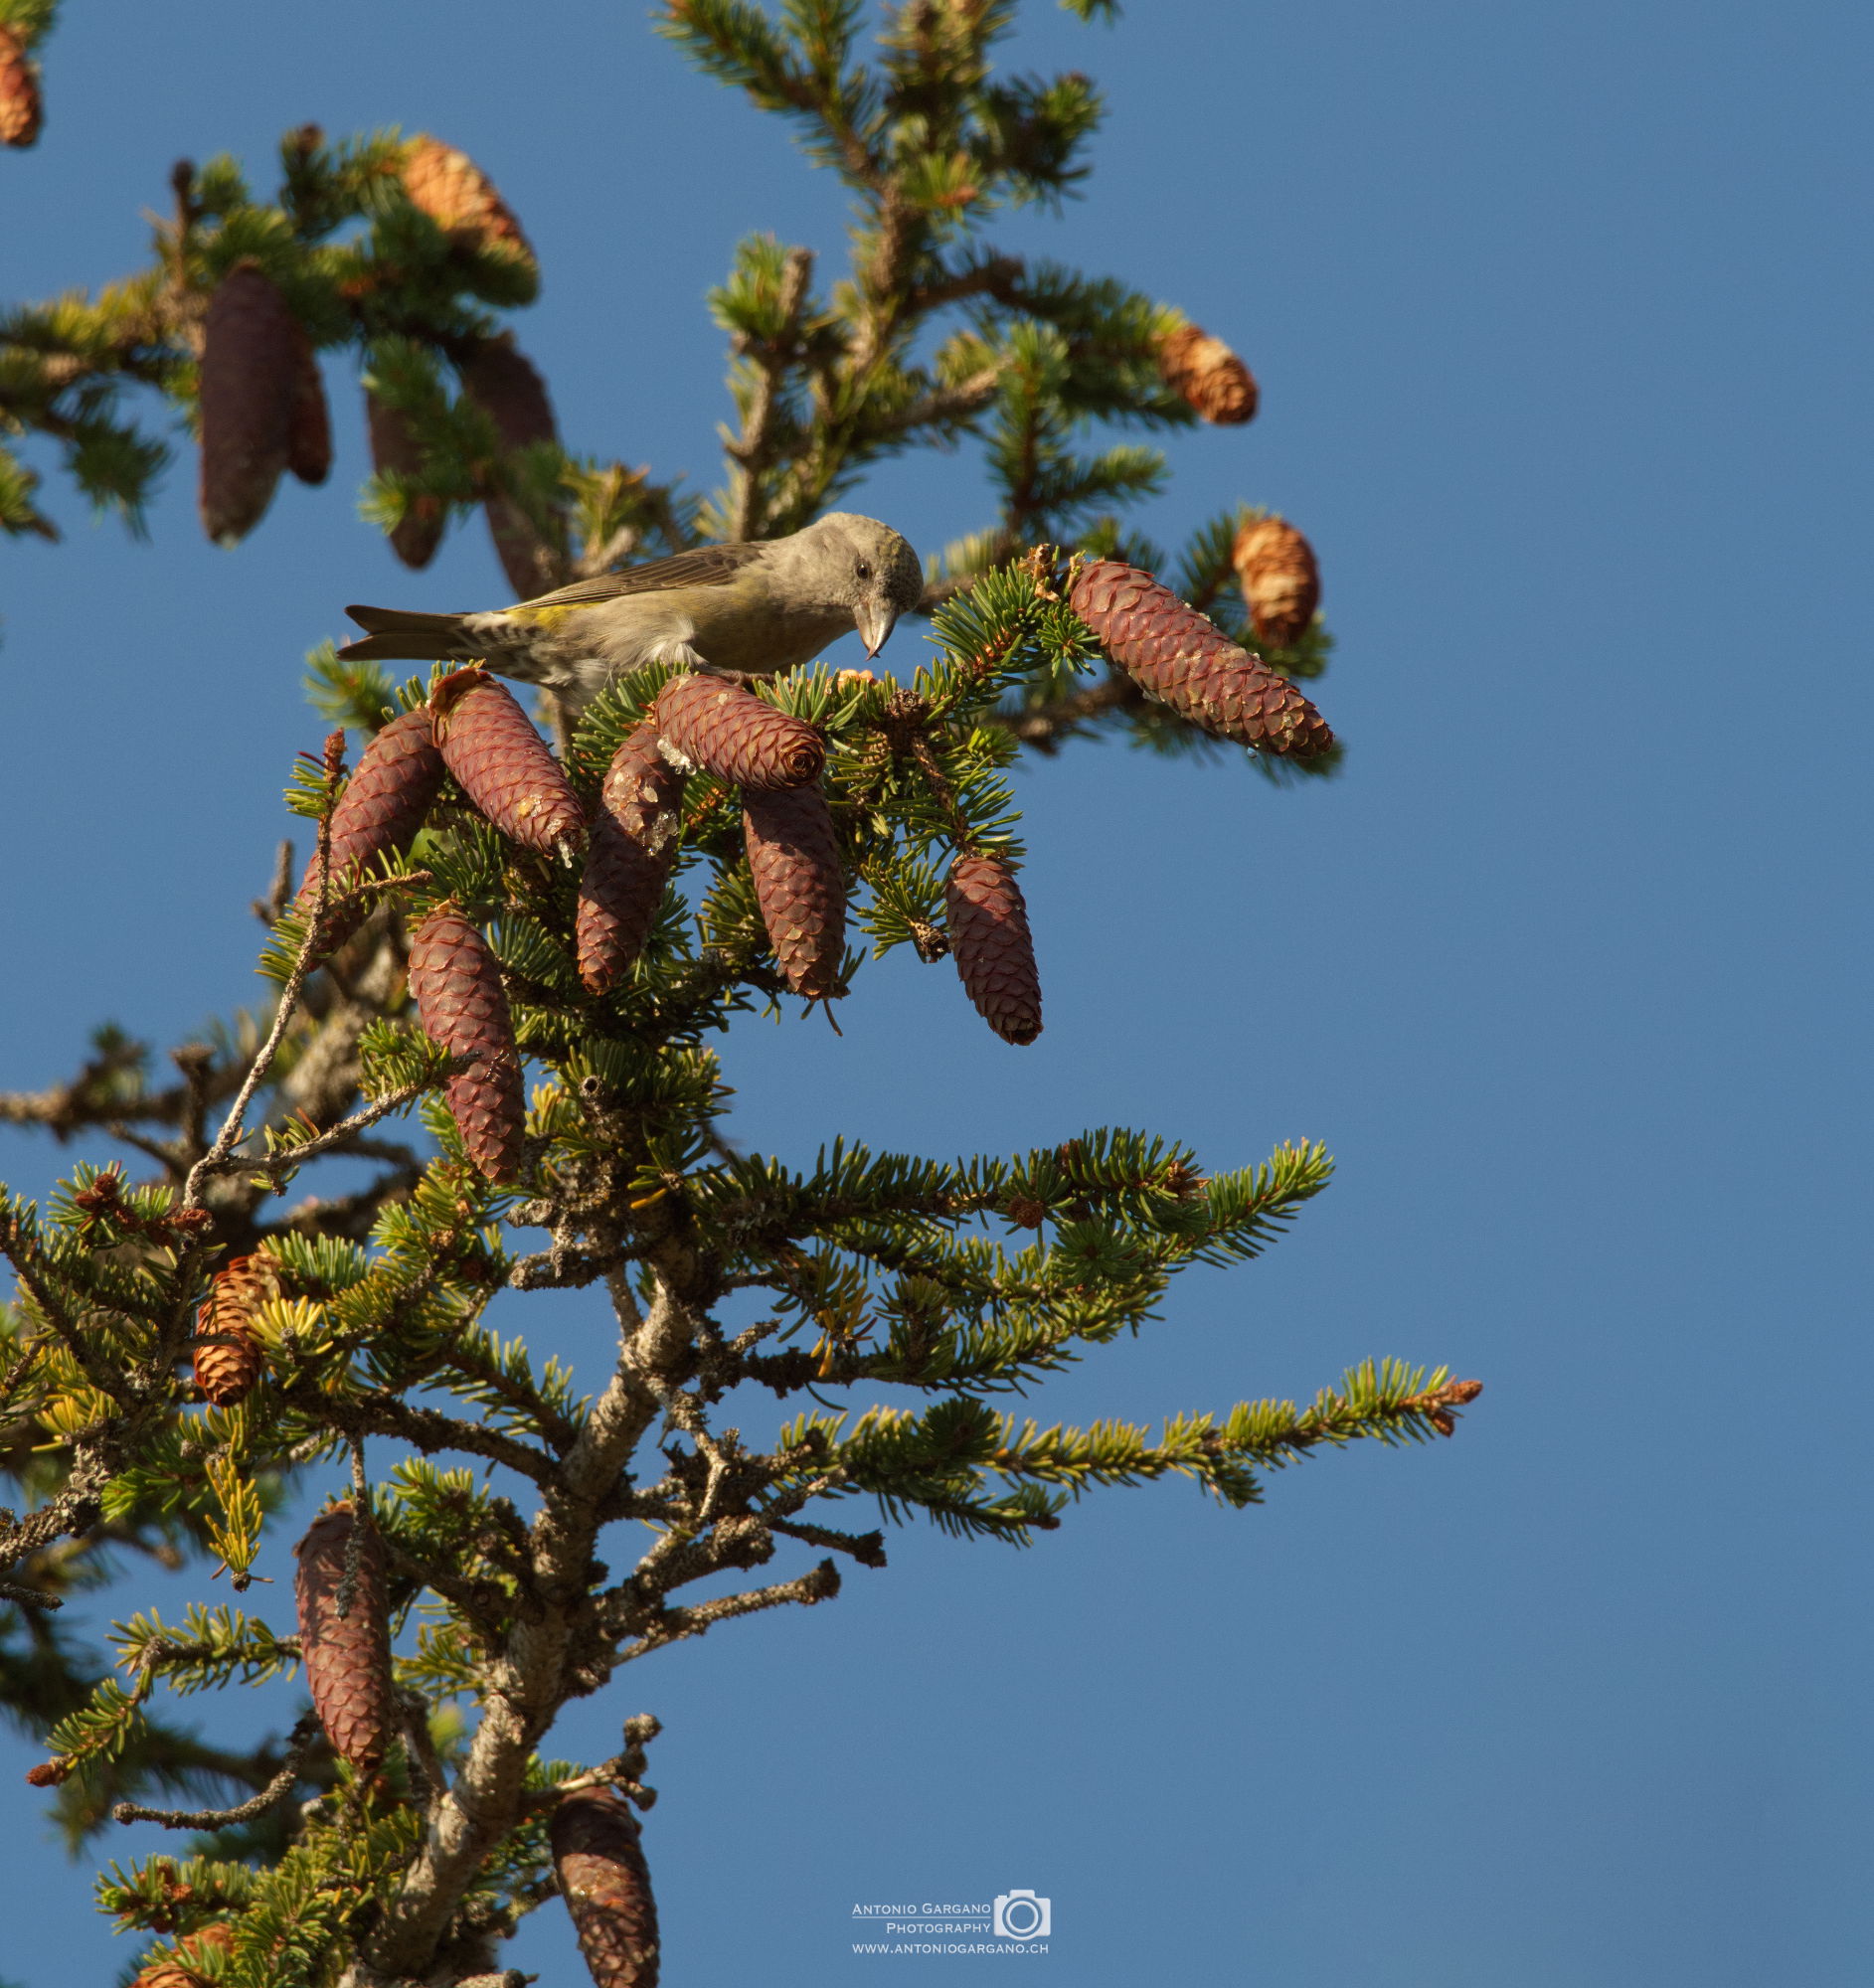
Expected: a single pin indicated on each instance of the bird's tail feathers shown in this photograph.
(398, 633)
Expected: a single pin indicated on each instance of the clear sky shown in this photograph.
(1561, 315)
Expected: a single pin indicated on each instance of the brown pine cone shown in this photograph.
(1206, 374)
(347, 1657)
(607, 1885)
(502, 763)
(228, 1359)
(708, 721)
(461, 199)
(178, 1973)
(394, 447)
(21, 110)
(1183, 660)
(456, 982)
(309, 432)
(1281, 583)
(635, 836)
(799, 884)
(992, 948)
(251, 356)
(502, 381)
(385, 801)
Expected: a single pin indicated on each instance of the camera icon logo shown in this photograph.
(1021, 1915)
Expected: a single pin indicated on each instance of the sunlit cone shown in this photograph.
(605, 1883)
(309, 432)
(502, 381)
(178, 1973)
(394, 448)
(1184, 660)
(727, 730)
(502, 763)
(799, 884)
(461, 199)
(21, 108)
(1207, 376)
(228, 1360)
(383, 802)
(635, 836)
(347, 1657)
(456, 982)
(251, 367)
(992, 948)
(1281, 583)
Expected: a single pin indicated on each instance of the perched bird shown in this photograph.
(753, 609)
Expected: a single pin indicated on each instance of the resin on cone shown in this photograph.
(1184, 660)
(501, 380)
(178, 1973)
(634, 835)
(799, 884)
(1207, 376)
(461, 199)
(502, 764)
(228, 1359)
(347, 1657)
(708, 721)
(605, 1883)
(992, 948)
(456, 982)
(309, 431)
(396, 450)
(21, 110)
(384, 804)
(249, 383)
(1281, 583)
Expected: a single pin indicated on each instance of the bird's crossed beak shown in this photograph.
(875, 623)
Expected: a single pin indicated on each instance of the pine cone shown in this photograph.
(1205, 372)
(635, 836)
(607, 1885)
(990, 942)
(708, 721)
(384, 804)
(394, 447)
(502, 763)
(1187, 662)
(249, 371)
(177, 1973)
(502, 381)
(347, 1657)
(798, 885)
(461, 199)
(461, 1004)
(1281, 583)
(21, 110)
(228, 1359)
(309, 432)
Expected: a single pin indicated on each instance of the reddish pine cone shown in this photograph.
(1206, 374)
(1187, 662)
(607, 1885)
(501, 380)
(251, 350)
(347, 1657)
(309, 431)
(635, 836)
(463, 1006)
(394, 447)
(1281, 585)
(178, 1973)
(502, 763)
(461, 199)
(992, 948)
(228, 1359)
(20, 106)
(798, 885)
(708, 721)
(385, 801)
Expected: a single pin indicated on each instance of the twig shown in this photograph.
(276, 1790)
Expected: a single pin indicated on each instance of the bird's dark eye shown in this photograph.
(863, 572)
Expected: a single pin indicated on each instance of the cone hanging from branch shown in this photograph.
(1207, 376)
(993, 946)
(634, 835)
(1184, 660)
(501, 380)
(347, 1655)
(462, 201)
(1281, 583)
(456, 981)
(396, 450)
(599, 1861)
(383, 806)
(250, 375)
(228, 1360)
(178, 1973)
(502, 764)
(309, 431)
(799, 884)
(727, 730)
(21, 107)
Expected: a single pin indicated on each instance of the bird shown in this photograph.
(743, 608)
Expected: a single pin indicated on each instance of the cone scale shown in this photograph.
(396, 450)
(21, 107)
(992, 948)
(708, 721)
(347, 1657)
(1207, 376)
(605, 1883)
(250, 377)
(504, 766)
(456, 982)
(634, 835)
(227, 1355)
(1280, 580)
(385, 801)
(799, 886)
(503, 381)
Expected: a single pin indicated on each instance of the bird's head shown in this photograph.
(873, 570)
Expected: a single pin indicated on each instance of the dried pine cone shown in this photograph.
(461, 199)
(708, 721)
(394, 447)
(635, 836)
(385, 800)
(456, 982)
(1187, 662)
(228, 1359)
(502, 381)
(798, 885)
(309, 432)
(607, 1885)
(178, 1973)
(250, 351)
(347, 1657)
(990, 942)
(1281, 585)
(502, 763)
(20, 111)
(1203, 372)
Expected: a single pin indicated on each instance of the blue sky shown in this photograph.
(1553, 308)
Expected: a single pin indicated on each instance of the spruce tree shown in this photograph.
(525, 954)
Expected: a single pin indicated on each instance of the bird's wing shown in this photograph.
(707, 566)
